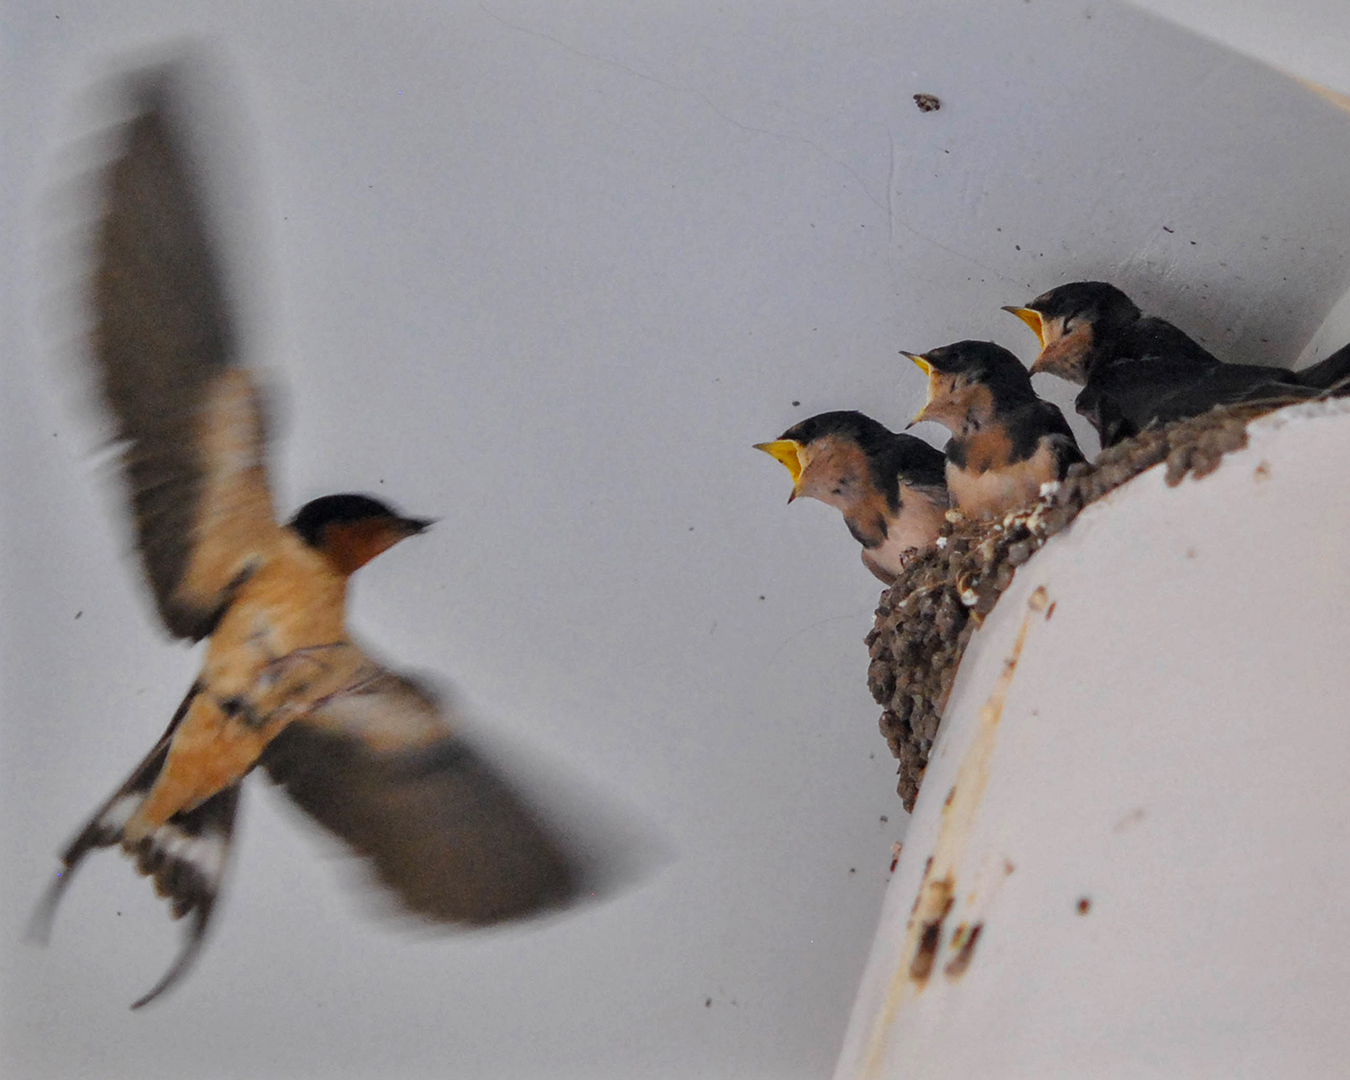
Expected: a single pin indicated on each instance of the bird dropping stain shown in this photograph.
(936, 901)
(963, 942)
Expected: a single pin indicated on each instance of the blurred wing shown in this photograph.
(379, 767)
(166, 364)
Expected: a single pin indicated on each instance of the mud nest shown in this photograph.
(925, 619)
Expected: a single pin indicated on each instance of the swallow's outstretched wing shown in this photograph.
(379, 766)
(167, 368)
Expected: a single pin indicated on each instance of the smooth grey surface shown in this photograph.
(547, 274)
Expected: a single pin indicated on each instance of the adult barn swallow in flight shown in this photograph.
(366, 752)
(1137, 370)
(1006, 442)
(889, 487)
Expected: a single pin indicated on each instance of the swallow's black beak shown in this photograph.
(413, 526)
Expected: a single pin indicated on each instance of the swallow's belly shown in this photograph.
(292, 608)
(280, 649)
(994, 492)
(901, 538)
(915, 528)
(221, 737)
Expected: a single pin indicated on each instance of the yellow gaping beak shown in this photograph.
(1033, 319)
(789, 452)
(923, 365)
(920, 361)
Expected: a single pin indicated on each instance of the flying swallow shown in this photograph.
(369, 754)
(1006, 442)
(1137, 370)
(889, 487)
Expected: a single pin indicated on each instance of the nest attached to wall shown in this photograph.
(942, 596)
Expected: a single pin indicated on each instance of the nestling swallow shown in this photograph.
(1006, 442)
(368, 753)
(889, 487)
(1137, 370)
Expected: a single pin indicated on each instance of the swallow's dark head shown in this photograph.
(969, 382)
(846, 458)
(1073, 319)
(871, 437)
(827, 456)
(866, 471)
(352, 529)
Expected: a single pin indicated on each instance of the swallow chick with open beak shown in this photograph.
(369, 754)
(1138, 370)
(1006, 442)
(889, 487)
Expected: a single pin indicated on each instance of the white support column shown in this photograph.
(1131, 852)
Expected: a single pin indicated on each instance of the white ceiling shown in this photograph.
(1307, 38)
(547, 273)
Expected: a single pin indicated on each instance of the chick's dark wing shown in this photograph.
(915, 462)
(1060, 437)
(166, 365)
(1234, 384)
(1332, 374)
(380, 767)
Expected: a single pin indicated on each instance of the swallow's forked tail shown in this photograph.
(186, 856)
